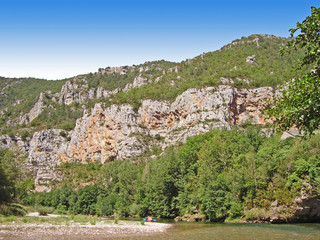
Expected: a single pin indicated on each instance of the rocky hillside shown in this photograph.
(124, 112)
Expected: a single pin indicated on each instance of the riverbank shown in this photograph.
(76, 230)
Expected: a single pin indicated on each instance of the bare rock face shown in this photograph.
(74, 91)
(77, 91)
(137, 82)
(119, 70)
(193, 112)
(247, 104)
(45, 148)
(251, 59)
(192, 106)
(120, 132)
(104, 135)
(102, 93)
(35, 111)
(14, 143)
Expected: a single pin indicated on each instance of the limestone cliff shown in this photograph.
(119, 132)
(35, 111)
(105, 134)
(45, 149)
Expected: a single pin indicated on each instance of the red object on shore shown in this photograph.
(149, 219)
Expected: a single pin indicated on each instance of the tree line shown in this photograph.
(223, 174)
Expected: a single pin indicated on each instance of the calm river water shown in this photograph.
(203, 231)
(240, 231)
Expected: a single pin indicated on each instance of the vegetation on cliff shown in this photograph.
(267, 69)
(18, 95)
(223, 174)
(229, 65)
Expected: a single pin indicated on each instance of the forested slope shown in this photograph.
(221, 175)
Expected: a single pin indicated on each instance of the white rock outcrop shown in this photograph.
(120, 132)
(44, 154)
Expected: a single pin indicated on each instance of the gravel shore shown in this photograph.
(100, 230)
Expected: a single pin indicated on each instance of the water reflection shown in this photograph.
(203, 231)
(239, 231)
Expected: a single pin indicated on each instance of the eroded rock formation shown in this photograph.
(120, 132)
(105, 134)
(45, 149)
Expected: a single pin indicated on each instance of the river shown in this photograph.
(211, 231)
(177, 231)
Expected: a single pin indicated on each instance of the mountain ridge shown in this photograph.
(176, 77)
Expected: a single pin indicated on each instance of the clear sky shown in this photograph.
(56, 39)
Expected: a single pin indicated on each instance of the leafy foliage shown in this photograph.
(300, 104)
(221, 174)
(15, 182)
(59, 116)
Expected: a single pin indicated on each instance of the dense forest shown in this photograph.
(220, 175)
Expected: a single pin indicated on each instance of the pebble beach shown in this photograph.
(72, 230)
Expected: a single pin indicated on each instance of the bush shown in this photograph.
(67, 126)
(24, 135)
(44, 211)
(35, 123)
(63, 134)
(12, 209)
(157, 137)
(302, 167)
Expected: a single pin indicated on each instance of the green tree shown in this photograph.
(161, 186)
(87, 197)
(4, 187)
(300, 104)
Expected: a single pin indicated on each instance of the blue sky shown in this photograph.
(56, 39)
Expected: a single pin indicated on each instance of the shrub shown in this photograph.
(63, 134)
(12, 209)
(67, 126)
(44, 211)
(24, 135)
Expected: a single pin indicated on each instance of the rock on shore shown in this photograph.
(76, 231)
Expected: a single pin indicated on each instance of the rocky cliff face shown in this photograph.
(35, 111)
(119, 132)
(78, 91)
(246, 105)
(45, 149)
(193, 112)
(14, 143)
(105, 134)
